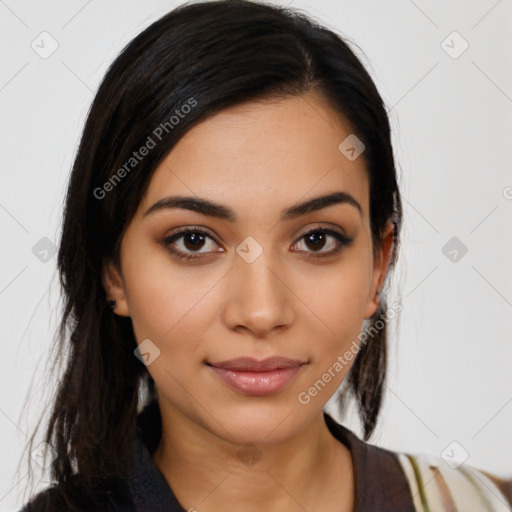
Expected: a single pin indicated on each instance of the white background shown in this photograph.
(449, 375)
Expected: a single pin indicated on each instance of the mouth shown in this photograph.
(252, 377)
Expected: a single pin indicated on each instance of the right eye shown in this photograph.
(191, 239)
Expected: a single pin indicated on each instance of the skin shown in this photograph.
(257, 159)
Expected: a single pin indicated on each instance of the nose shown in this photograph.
(258, 300)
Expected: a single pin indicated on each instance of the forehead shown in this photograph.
(263, 156)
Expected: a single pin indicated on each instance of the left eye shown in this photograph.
(316, 239)
(194, 239)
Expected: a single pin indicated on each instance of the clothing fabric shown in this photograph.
(385, 481)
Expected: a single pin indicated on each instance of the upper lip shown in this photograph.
(250, 364)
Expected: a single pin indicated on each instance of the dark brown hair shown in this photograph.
(219, 54)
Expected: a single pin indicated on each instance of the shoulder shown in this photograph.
(52, 499)
(45, 500)
(438, 485)
(420, 482)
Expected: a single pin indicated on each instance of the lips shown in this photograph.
(248, 364)
(252, 377)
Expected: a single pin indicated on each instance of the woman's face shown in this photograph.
(255, 286)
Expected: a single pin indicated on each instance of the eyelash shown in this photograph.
(342, 240)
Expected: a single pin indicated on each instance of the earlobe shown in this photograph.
(372, 305)
(380, 268)
(115, 291)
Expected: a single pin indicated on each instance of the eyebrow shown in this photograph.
(212, 209)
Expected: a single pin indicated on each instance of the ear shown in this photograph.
(114, 288)
(380, 268)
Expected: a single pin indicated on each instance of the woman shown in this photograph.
(231, 220)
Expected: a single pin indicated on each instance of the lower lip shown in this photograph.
(257, 383)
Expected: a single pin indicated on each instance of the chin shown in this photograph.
(260, 424)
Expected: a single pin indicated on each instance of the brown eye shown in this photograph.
(193, 240)
(188, 243)
(318, 239)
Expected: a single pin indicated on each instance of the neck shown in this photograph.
(210, 474)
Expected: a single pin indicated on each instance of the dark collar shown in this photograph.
(379, 479)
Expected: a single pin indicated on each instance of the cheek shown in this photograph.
(169, 306)
(341, 295)
(338, 303)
